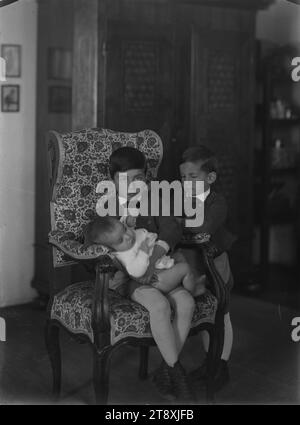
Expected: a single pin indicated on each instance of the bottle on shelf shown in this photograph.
(280, 106)
(276, 160)
(282, 157)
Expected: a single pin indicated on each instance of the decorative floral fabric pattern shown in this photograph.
(197, 238)
(83, 163)
(73, 308)
(75, 249)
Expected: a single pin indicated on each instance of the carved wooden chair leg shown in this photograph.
(144, 356)
(214, 356)
(101, 375)
(210, 367)
(53, 347)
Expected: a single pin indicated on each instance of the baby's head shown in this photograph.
(199, 164)
(110, 232)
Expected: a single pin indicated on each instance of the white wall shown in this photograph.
(280, 23)
(18, 25)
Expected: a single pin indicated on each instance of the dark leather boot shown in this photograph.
(162, 380)
(180, 385)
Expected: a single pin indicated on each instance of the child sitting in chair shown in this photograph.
(199, 164)
(168, 330)
(133, 248)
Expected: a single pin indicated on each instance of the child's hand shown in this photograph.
(131, 221)
(200, 286)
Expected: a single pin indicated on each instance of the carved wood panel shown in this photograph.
(220, 98)
(221, 80)
(140, 61)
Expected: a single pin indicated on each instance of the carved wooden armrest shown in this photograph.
(105, 265)
(200, 239)
(193, 239)
(208, 252)
(218, 286)
(105, 268)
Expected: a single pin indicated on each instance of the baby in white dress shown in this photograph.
(133, 248)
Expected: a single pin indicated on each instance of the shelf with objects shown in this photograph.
(276, 164)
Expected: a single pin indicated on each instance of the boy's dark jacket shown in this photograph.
(215, 216)
(167, 228)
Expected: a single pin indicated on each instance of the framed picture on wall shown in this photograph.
(60, 99)
(10, 98)
(11, 53)
(59, 64)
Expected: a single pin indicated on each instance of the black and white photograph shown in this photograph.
(150, 205)
(10, 98)
(12, 56)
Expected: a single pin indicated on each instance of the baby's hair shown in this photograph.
(97, 230)
(201, 154)
(125, 159)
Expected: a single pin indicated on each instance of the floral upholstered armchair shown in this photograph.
(89, 310)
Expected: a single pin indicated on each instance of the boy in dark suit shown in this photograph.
(199, 164)
(169, 335)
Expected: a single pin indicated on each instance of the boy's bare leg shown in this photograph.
(169, 279)
(160, 321)
(184, 306)
(228, 338)
(190, 256)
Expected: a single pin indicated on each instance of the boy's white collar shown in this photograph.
(203, 196)
(123, 201)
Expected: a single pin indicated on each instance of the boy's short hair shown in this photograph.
(97, 230)
(125, 159)
(203, 154)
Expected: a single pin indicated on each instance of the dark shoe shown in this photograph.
(201, 375)
(180, 384)
(162, 381)
(222, 377)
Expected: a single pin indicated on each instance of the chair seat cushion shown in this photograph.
(72, 307)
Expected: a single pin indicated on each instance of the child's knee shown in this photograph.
(155, 302)
(161, 307)
(184, 269)
(186, 303)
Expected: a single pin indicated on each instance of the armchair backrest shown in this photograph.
(78, 161)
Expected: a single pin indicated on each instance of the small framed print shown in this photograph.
(60, 99)
(11, 53)
(59, 64)
(10, 98)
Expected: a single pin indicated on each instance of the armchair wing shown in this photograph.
(77, 162)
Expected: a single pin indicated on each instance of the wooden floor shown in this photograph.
(264, 365)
